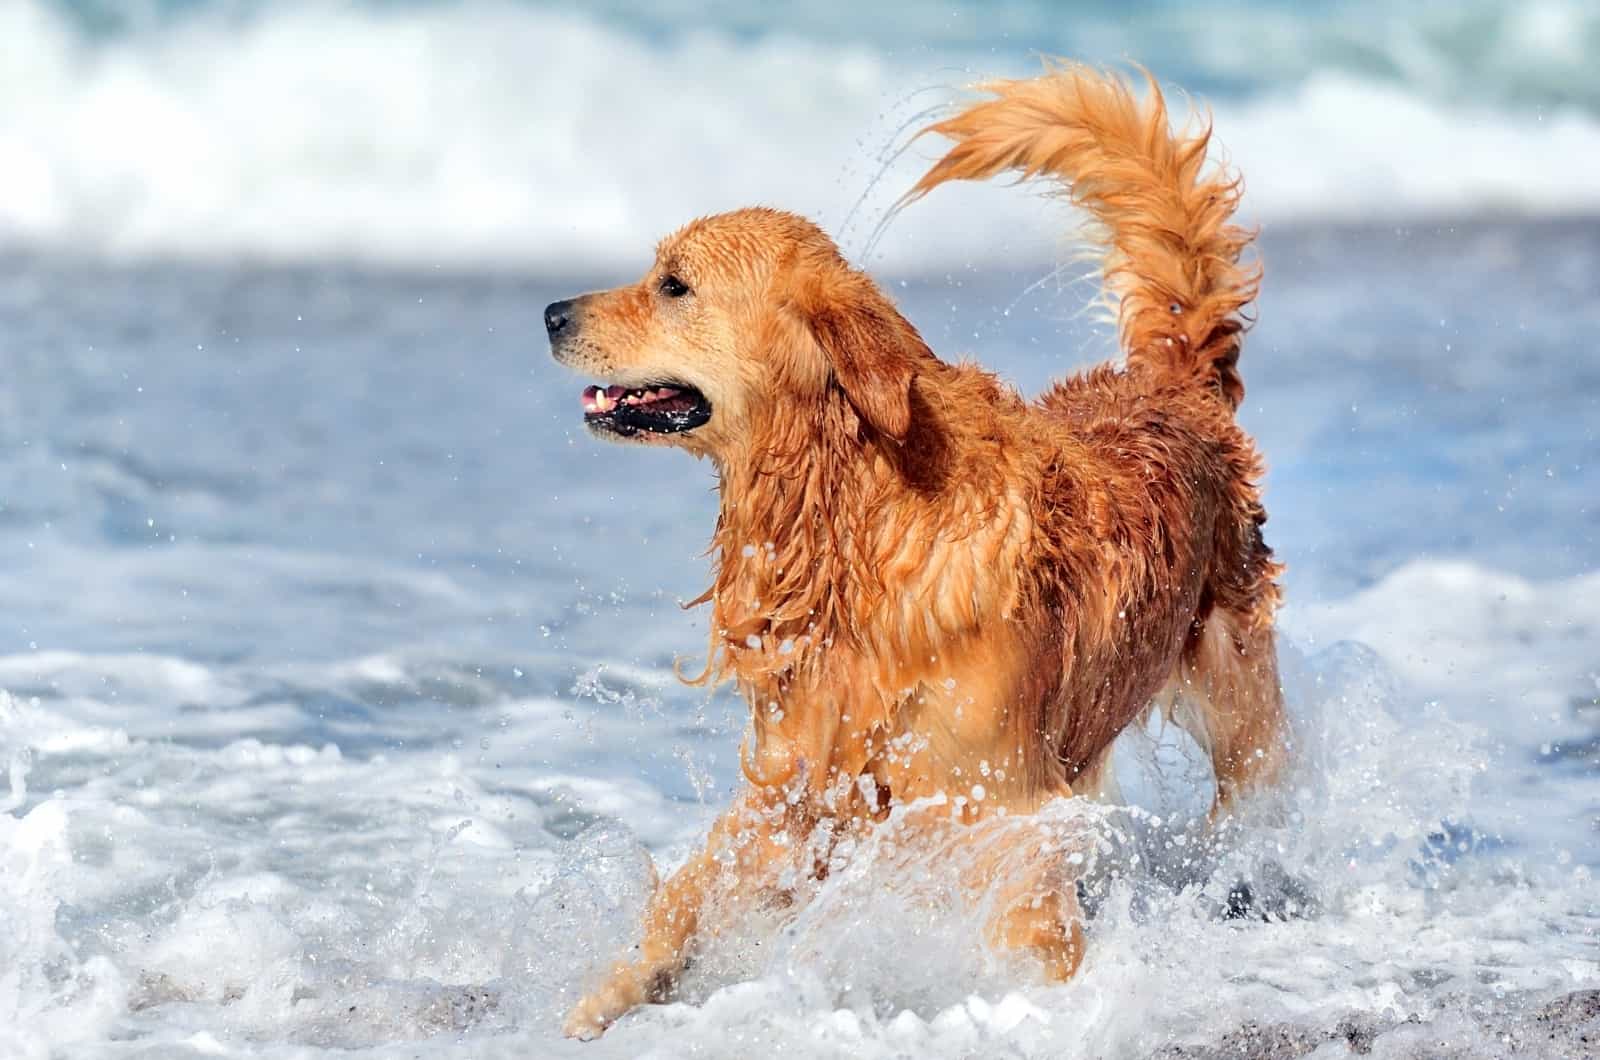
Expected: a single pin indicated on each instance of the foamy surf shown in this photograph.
(260, 895)
(509, 135)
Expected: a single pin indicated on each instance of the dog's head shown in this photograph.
(744, 319)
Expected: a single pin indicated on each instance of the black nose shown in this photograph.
(557, 315)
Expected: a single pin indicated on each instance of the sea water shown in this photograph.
(338, 710)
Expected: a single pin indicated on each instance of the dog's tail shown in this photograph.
(1171, 261)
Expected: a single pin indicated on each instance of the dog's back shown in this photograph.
(1150, 549)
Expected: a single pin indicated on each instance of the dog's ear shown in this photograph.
(874, 352)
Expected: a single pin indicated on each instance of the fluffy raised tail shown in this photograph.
(1171, 256)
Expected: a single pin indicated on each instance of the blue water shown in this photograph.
(396, 426)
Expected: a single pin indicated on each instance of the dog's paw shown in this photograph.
(626, 988)
(586, 1021)
(591, 1016)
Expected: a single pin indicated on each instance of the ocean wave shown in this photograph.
(491, 134)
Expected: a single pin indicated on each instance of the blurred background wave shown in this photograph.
(558, 137)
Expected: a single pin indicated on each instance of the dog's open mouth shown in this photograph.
(665, 408)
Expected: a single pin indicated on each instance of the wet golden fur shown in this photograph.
(924, 582)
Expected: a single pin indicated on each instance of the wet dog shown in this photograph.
(932, 592)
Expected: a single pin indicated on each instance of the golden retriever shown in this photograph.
(930, 590)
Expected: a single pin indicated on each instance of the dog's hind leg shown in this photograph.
(1226, 695)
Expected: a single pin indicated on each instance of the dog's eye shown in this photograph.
(673, 287)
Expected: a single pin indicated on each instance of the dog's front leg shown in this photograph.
(1035, 898)
(1042, 920)
(741, 852)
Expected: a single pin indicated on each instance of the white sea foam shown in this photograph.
(485, 133)
(180, 893)
(1452, 628)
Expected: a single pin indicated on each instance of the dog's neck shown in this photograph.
(791, 516)
(799, 522)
